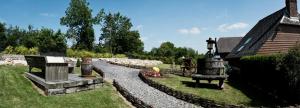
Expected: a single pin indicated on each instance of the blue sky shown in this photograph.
(186, 23)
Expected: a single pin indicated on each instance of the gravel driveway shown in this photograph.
(128, 78)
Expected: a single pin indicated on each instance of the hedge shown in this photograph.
(275, 74)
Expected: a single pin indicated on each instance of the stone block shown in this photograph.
(55, 91)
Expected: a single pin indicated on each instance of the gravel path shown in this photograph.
(128, 78)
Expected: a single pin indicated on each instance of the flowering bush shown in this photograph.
(154, 72)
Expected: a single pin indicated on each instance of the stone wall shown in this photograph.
(12, 57)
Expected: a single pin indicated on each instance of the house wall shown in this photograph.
(286, 37)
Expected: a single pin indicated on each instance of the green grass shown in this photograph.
(229, 95)
(167, 66)
(17, 92)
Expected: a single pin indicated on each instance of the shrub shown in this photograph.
(107, 55)
(78, 63)
(21, 50)
(84, 53)
(71, 53)
(33, 51)
(120, 56)
(9, 50)
(290, 65)
(276, 74)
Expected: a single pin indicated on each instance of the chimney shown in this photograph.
(291, 6)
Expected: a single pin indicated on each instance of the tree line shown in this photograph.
(117, 36)
(168, 53)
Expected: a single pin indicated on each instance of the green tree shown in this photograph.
(3, 38)
(29, 38)
(14, 36)
(117, 37)
(50, 41)
(80, 22)
(166, 49)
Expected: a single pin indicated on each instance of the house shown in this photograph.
(226, 44)
(276, 33)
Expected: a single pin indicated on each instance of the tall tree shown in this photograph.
(80, 22)
(14, 36)
(29, 38)
(167, 49)
(3, 38)
(117, 35)
(50, 41)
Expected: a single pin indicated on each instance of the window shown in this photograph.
(240, 48)
(248, 40)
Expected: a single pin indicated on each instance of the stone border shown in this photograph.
(191, 98)
(99, 71)
(135, 101)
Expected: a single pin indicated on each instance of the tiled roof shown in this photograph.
(263, 30)
(226, 44)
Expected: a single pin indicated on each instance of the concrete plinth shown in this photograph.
(75, 83)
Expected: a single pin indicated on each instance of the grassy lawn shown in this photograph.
(17, 92)
(229, 95)
(167, 66)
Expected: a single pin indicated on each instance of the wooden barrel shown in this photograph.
(86, 67)
(213, 66)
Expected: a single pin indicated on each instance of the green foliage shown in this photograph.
(78, 63)
(50, 41)
(168, 53)
(290, 65)
(277, 74)
(33, 51)
(117, 36)
(22, 50)
(80, 22)
(120, 56)
(3, 39)
(9, 50)
(29, 38)
(84, 53)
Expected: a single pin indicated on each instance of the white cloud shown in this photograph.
(235, 26)
(47, 14)
(191, 31)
